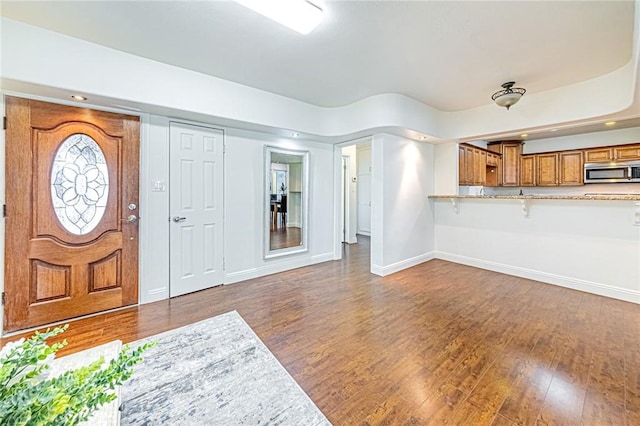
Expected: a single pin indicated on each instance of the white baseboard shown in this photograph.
(154, 295)
(545, 277)
(275, 267)
(403, 264)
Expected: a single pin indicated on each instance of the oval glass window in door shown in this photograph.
(79, 184)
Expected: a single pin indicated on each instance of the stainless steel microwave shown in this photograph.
(624, 172)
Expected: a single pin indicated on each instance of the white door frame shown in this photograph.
(338, 189)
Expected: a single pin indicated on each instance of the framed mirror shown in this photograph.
(285, 201)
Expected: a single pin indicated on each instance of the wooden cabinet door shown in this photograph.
(71, 240)
(469, 165)
(627, 153)
(527, 170)
(597, 155)
(571, 168)
(462, 166)
(511, 164)
(480, 167)
(546, 169)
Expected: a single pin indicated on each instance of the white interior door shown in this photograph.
(196, 186)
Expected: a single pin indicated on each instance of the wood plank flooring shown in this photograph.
(438, 343)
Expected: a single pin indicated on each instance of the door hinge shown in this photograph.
(224, 265)
(3, 297)
(4, 210)
(224, 148)
(4, 123)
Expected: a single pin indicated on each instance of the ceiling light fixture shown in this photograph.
(509, 95)
(524, 135)
(610, 123)
(78, 98)
(299, 15)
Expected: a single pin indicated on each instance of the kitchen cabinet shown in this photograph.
(492, 159)
(472, 165)
(612, 153)
(511, 152)
(626, 153)
(597, 155)
(559, 168)
(480, 167)
(571, 168)
(493, 170)
(462, 165)
(546, 169)
(527, 170)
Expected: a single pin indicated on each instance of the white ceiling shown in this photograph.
(451, 55)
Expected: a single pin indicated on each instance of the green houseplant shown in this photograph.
(29, 397)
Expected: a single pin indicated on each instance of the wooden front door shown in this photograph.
(71, 239)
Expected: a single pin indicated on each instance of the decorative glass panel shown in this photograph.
(79, 184)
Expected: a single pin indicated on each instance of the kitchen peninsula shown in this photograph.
(585, 242)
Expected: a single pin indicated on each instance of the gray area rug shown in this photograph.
(214, 372)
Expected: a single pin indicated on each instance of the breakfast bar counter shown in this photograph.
(614, 197)
(585, 242)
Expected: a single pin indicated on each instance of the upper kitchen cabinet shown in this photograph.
(597, 155)
(546, 169)
(626, 153)
(511, 152)
(527, 170)
(476, 166)
(571, 168)
(563, 168)
(612, 153)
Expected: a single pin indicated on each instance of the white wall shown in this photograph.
(243, 210)
(586, 140)
(588, 245)
(445, 168)
(402, 221)
(154, 211)
(244, 205)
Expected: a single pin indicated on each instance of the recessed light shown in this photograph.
(610, 123)
(78, 98)
(553, 130)
(524, 135)
(295, 135)
(423, 138)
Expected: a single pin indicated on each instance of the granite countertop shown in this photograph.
(630, 197)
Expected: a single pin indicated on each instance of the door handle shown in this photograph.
(178, 219)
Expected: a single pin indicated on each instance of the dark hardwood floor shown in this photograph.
(438, 343)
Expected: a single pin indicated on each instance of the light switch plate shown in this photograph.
(158, 186)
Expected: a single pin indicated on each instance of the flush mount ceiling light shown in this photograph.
(299, 15)
(78, 98)
(509, 96)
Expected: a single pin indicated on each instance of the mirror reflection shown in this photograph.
(286, 178)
